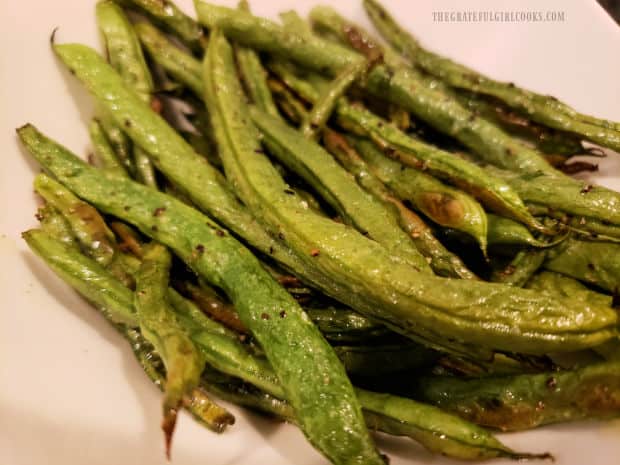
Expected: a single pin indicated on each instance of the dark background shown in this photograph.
(612, 7)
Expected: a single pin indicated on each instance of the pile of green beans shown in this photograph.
(303, 250)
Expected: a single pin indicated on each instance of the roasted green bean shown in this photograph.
(443, 262)
(357, 207)
(254, 75)
(168, 15)
(541, 108)
(326, 246)
(179, 64)
(104, 153)
(125, 55)
(299, 355)
(446, 206)
(525, 401)
(159, 326)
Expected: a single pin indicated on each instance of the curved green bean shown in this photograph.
(115, 302)
(436, 430)
(410, 302)
(326, 102)
(446, 206)
(490, 190)
(540, 108)
(595, 263)
(443, 262)
(356, 206)
(301, 358)
(85, 222)
(159, 326)
(526, 401)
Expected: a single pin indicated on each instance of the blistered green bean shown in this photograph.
(525, 401)
(408, 301)
(443, 262)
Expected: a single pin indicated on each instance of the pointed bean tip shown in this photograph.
(168, 425)
(53, 36)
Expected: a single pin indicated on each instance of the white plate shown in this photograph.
(70, 390)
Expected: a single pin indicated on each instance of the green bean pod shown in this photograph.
(567, 195)
(596, 263)
(431, 427)
(443, 262)
(125, 55)
(504, 231)
(356, 206)
(444, 205)
(526, 401)
(54, 224)
(115, 302)
(398, 296)
(437, 430)
(168, 15)
(543, 109)
(85, 222)
(158, 324)
(123, 48)
(326, 102)
(172, 155)
(307, 368)
(521, 268)
(254, 75)
(556, 283)
(179, 64)
(490, 190)
(103, 151)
